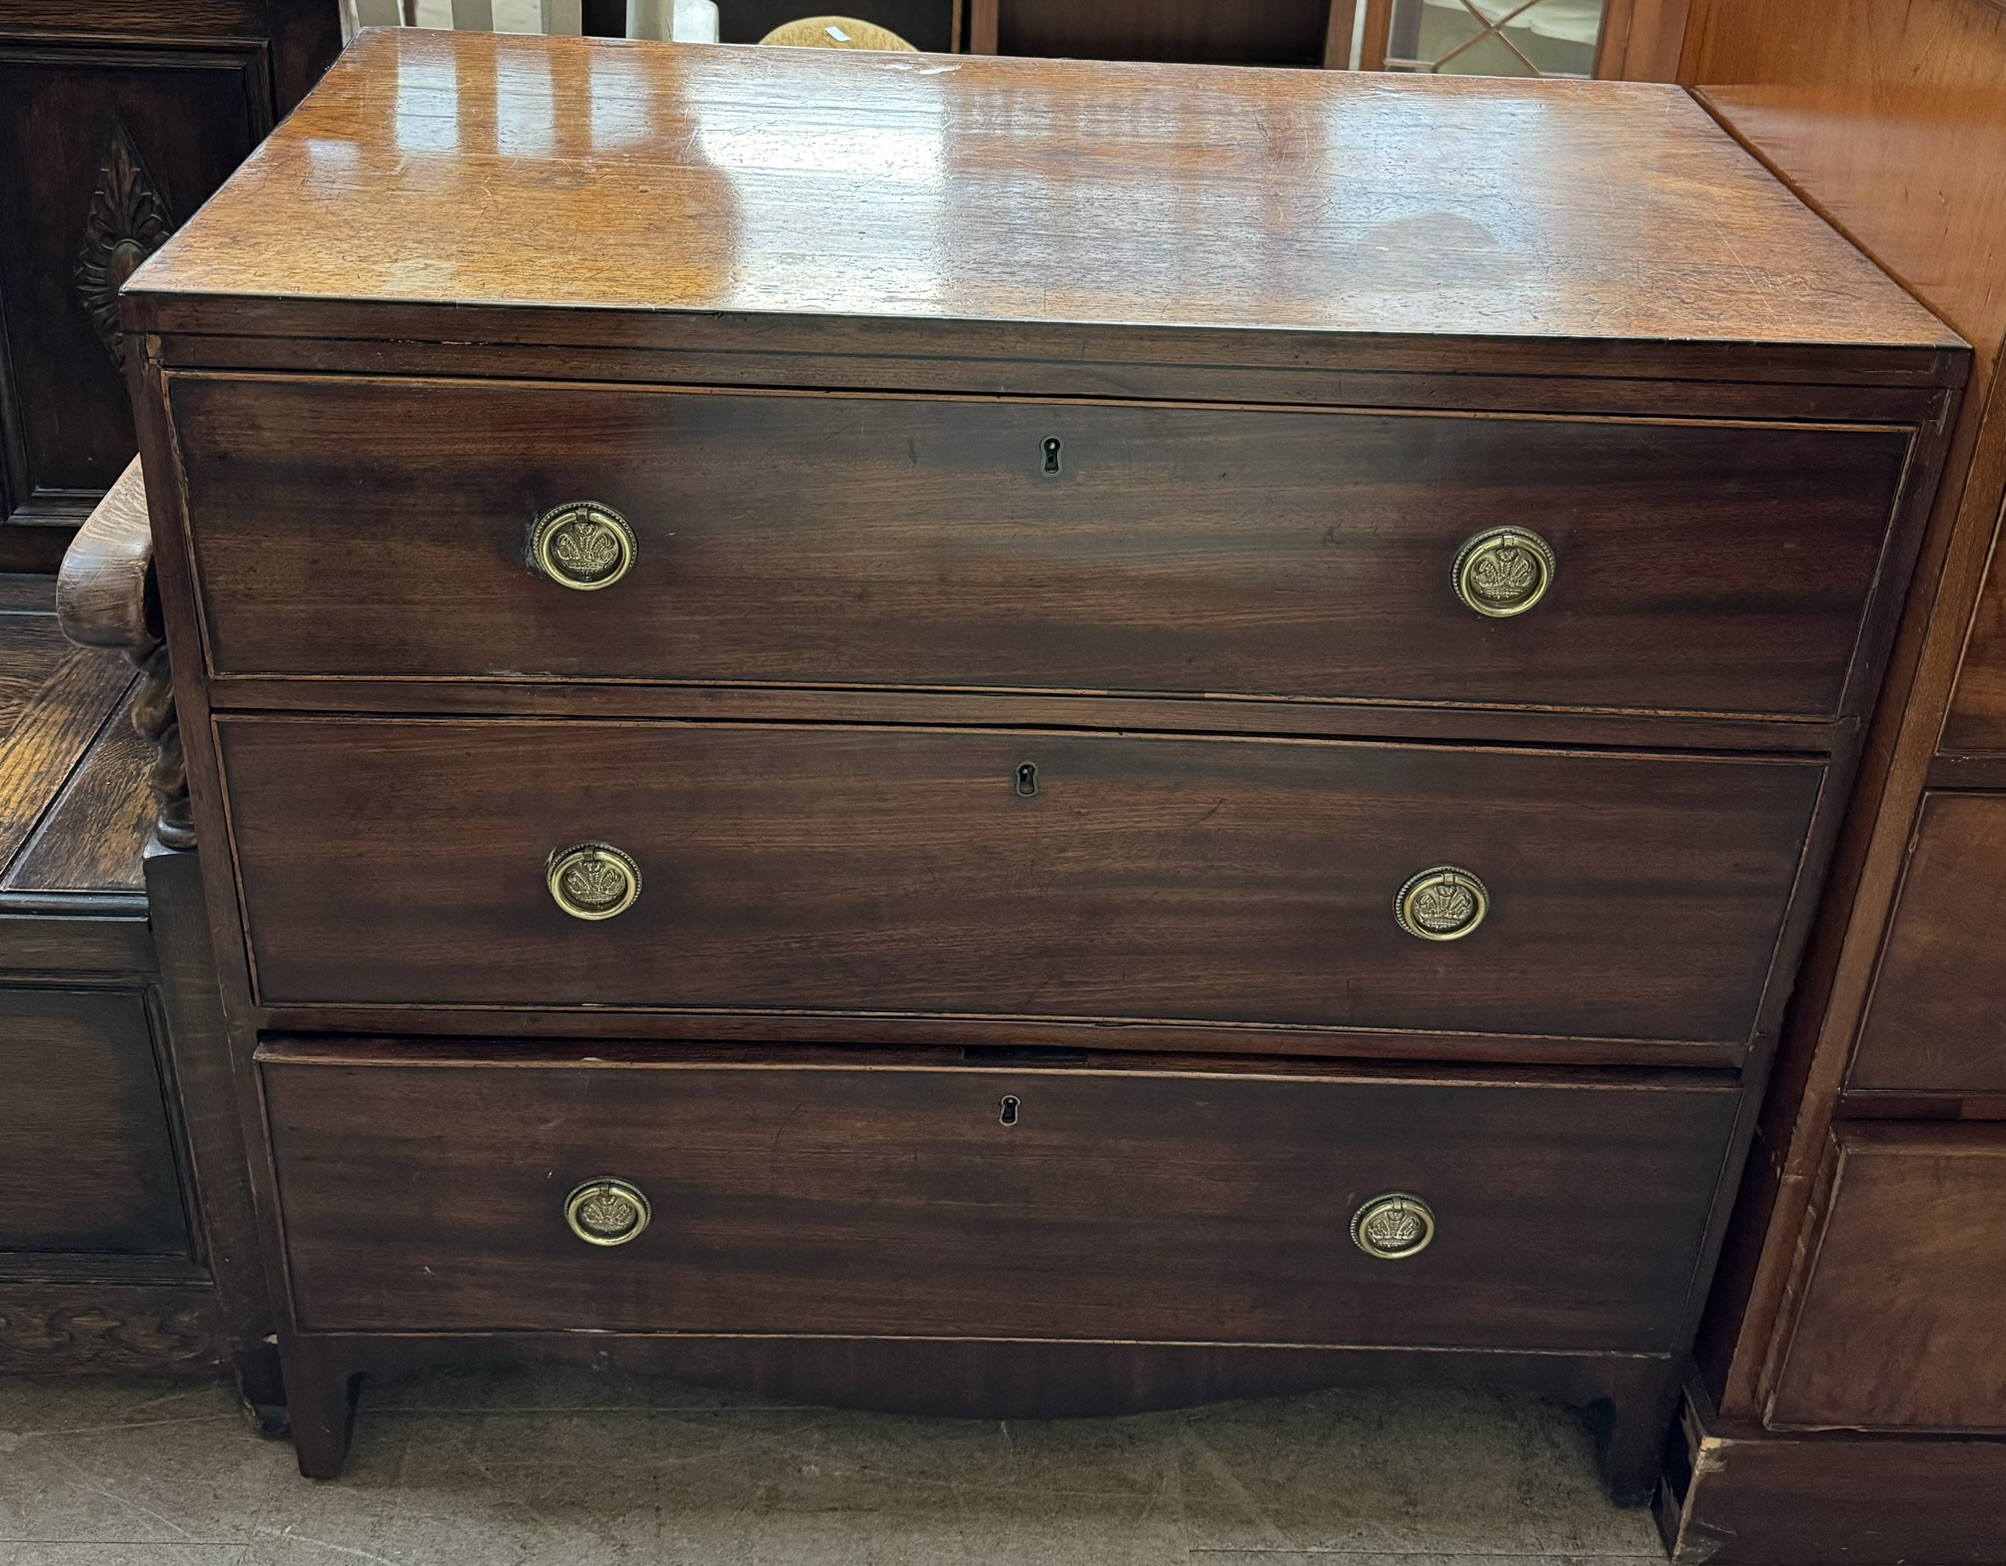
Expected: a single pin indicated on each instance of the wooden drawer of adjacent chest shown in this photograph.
(978, 1202)
(1937, 1018)
(948, 873)
(1902, 1320)
(376, 527)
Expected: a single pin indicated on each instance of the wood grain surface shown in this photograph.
(93, 836)
(1937, 1018)
(891, 541)
(1154, 1207)
(57, 706)
(88, 1163)
(1899, 1322)
(1882, 115)
(103, 592)
(655, 180)
(127, 19)
(898, 871)
(1891, 119)
(1741, 1496)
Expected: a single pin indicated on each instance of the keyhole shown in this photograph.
(1008, 1112)
(1027, 779)
(1052, 449)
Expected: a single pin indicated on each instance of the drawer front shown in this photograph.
(1901, 1322)
(1976, 721)
(361, 527)
(897, 1202)
(86, 1157)
(905, 871)
(1936, 1021)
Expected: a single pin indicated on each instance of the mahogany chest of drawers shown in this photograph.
(1014, 737)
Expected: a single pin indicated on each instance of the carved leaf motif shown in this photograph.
(1444, 906)
(1503, 576)
(607, 1212)
(595, 883)
(128, 221)
(586, 549)
(1393, 1228)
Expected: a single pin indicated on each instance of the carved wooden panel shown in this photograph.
(128, 221)
(108, 147)
(109, 1327)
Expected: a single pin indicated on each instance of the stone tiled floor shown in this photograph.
(574, 1469)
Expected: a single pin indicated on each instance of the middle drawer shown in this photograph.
(954, 873)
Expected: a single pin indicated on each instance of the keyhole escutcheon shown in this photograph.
(1053, 446)
(1007, 1111)
(1027, 779)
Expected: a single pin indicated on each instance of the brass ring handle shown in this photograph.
(1393, 1227)
(582, 544)
(1442, 903)
(1503, 571)
(607, 1212)
(592, 880)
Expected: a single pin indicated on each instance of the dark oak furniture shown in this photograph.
(126, 1237)
(1851, 1401)
(1008, 779)
(117, 120)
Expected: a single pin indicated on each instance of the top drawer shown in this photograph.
(378, 528)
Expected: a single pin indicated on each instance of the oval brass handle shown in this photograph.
(1393, 1227)
(607, 1212)
(1442, 903)
(1503, 571)
(592, 880)
(582, 544)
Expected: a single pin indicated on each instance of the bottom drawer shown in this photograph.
(1901, 1322)
(424, 1189)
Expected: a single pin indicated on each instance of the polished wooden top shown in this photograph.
(1892, 119)
(473, 169)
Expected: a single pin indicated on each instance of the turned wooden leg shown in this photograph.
(320, 1402)
(1634, 1423)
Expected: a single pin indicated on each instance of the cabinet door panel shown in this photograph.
(108, 149)
(86, 1159)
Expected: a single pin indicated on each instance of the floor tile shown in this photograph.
(580, 1468)
(18, 1554)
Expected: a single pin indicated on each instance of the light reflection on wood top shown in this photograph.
(485, 170)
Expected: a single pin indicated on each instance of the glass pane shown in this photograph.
(1546, 38)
